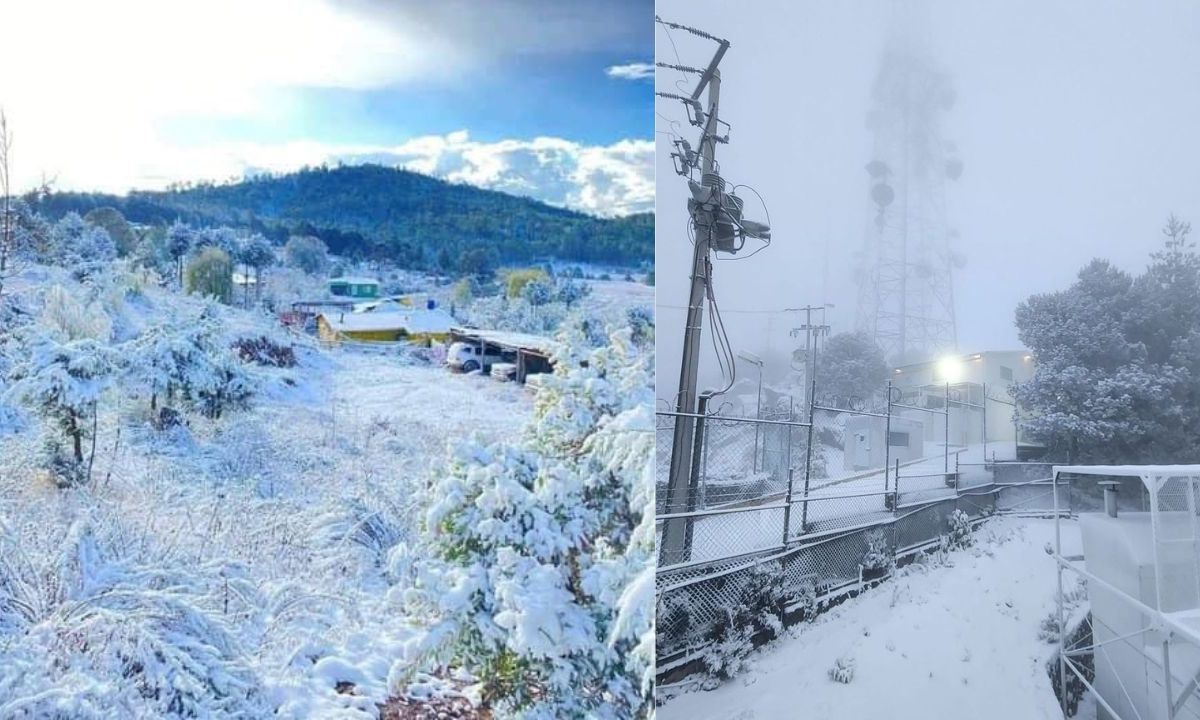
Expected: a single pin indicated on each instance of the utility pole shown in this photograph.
(812, 333)
(677, 532)
(716, 216)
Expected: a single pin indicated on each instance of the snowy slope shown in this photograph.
(935, 642)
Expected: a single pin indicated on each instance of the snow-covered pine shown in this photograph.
(538, 578)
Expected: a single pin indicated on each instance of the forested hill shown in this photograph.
(377, 211)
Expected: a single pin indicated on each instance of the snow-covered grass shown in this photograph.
(961, 639)
(233, 564)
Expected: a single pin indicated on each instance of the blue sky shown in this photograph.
(512, 94)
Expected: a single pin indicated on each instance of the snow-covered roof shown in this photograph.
(354, 280)
(414, 321)
(962, 356)
(511, 339)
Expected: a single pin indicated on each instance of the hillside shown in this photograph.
(379, 212)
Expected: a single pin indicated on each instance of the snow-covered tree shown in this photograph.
(569, 292)
(537, 292)
(307, 253)
(257, 253)
(180, 237)
(850, 369)
(210, 274)
(63, 380)
(641, 323)
(1118, 376)
(79, 246)
(537, 574)
(188, 361)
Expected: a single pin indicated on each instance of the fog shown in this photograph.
(1076, 123)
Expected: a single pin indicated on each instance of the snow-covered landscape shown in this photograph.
(206, 513)
(956, 635)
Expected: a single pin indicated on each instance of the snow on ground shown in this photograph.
(280, 516)
(956, 641)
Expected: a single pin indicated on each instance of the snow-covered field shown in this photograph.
(266, 528)
(938, 641)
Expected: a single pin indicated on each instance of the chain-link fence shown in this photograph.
(826, 497)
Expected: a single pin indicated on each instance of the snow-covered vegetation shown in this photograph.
(939, 640)
(202, 515)
(1118, 360)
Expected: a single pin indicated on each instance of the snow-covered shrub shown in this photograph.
(63, 313)
(641, 321)
(879, 551)
(225, 387)
(189, 360)
(960, 530)
(756, 611)
(842, 670)
(63, 380)
(86, 632)
(373, 530)
(539, 577)
(806, 600)
(262, 351)
(78, 245)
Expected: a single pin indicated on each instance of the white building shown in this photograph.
(971, 377)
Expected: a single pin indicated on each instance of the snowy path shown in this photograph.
(937, 642)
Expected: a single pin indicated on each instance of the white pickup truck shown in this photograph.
(466, 357)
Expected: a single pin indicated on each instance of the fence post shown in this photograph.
(694, 481)
(787, 511)
(808, 451)
(946, 429)
(896, 482)
(887, 438)
(984, 401)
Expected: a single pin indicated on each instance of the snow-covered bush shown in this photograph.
(960, 530)
(879, 551)
(842, 670)
(188, 359)
(539, 575)
(641, 320)
(79, 246)
(757, 612)
(88, 632)
(62, 380)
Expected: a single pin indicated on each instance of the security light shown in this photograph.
(950, 368)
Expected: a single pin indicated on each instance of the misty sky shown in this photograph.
(1076, 122)
(530, 96)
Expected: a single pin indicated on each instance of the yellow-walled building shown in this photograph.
(416, 326)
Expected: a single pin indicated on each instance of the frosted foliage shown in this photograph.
(542, 580)
(73, 319)
(103, 635)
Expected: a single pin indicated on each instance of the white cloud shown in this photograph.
(631, 71)
(94, 90)
(616, 179)
(90, 87)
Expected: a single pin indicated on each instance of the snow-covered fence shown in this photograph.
(848, 539)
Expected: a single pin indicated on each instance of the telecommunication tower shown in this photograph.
(905, 273)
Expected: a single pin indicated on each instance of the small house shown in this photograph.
(354, 287)
(422, 326)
